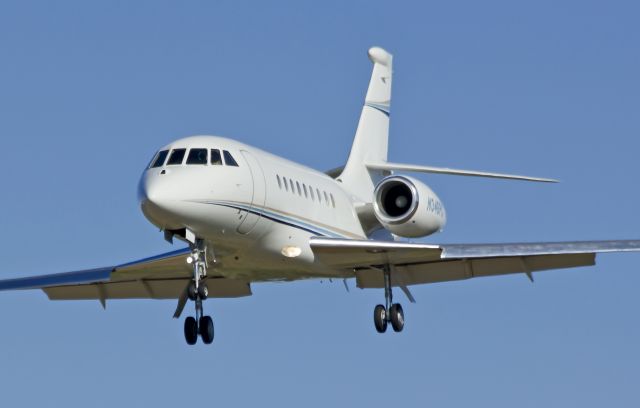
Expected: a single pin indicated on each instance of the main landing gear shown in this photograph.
(197, 291)
(390, 312)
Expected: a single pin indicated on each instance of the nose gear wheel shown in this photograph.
(197, 291)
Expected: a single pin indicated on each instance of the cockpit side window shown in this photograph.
(197, 156)
(158, 161)
(229, 160)
(216, 158)
(177, 156)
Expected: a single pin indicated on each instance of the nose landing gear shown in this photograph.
(198, 291)
(191, 330)
(390, 312)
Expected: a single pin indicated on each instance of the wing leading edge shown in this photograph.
(413, 264)
(163, 276)
(166, 276)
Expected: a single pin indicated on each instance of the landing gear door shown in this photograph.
(259, 194)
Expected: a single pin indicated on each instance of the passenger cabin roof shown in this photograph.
(203, 141)
(223, 143)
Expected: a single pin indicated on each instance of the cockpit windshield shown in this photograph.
(197, 156)
(177, 156)
(216, 157)
(158, 161)
(229, 160)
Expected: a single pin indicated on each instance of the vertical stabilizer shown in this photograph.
(371, 139)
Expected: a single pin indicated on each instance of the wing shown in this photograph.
(164, 276)
(413, 264)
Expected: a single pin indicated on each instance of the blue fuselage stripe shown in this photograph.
(281, 219)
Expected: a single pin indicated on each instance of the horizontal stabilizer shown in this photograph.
(455, 172)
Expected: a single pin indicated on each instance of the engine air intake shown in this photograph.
(396, 198)
(407, 208)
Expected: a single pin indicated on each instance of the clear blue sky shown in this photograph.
(89, 90)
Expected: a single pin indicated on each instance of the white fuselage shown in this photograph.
(258, 215)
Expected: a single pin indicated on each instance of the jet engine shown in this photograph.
(408, 208)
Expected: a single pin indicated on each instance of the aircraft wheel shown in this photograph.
(380, 318)
(397, 317)
(190, 330)
(206, 329)
(192, 293)
(203, 291)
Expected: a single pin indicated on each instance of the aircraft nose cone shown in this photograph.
(145, 192)
(155, 201)
(149, 195)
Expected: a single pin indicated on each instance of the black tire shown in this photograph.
(206, 329)
(192, 293)
(203, 291)
(190, 330)
(380, 318)
(397, 317)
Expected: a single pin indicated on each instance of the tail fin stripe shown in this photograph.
(382, 108)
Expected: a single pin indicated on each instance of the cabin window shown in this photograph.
(177, 156)
(216, 158)
(311, 191)
(160, 158)
(197, 156)
(304, 187)
(286, 186)
(299, 189)
(333, 202)
(229, 160)
(293, 189)
(326, 198)
(279, 182)
(319, 196)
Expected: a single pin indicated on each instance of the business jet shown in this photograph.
(248, 217)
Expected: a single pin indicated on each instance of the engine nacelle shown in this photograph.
(407, 207)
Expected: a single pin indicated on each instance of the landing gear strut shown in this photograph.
(198, 291)
(389, 312)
